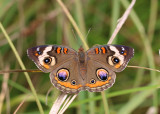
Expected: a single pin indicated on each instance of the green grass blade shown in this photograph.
(117, 93)
(115, 16)
(23, 67)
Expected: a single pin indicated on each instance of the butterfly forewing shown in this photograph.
(115, 57)
(46, 57)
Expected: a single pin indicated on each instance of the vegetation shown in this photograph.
(38, 22)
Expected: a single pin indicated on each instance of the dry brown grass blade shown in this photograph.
(15, 112)
(4, 88)
(67, 103)
(57, 104)
(19, 106)
(121, 21)
(139, 67)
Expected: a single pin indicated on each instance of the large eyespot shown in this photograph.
(73, 82)
(115, 60)
(102, 74)
(48, 60)
(63, 74)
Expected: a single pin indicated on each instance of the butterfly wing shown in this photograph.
(47, 57)
(62, 62)
(102, 63)
(99, 77)
(115, 57)
(66, 77)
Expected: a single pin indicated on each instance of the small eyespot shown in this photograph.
(48, 60)
(73, 82)
(92, 81)
(122, 52)
(115, 60)
(39, 52)
(63, 74)
(102, 74)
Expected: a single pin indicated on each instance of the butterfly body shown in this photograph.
(72, 71)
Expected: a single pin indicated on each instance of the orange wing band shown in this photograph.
(97, 50)
(117, 65)
(98, 83)
(58, 50)
(65, 50)
(67, 84)
(103, 50)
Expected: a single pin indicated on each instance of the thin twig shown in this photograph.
(18, 70)
(139, 67)
(4, 89)
(15, 112)
(121, 21)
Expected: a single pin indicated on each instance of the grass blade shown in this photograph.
(23, 67)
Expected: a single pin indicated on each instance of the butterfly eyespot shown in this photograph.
(63, 74)
(39, 52)
(122, 52)
(115, 60)
(92, 81)
(102, 74)
(48, 60)
(73, 82)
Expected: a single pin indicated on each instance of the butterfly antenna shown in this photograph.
(88, 33)
(74, 35)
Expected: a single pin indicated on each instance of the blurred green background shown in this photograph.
(37, 22)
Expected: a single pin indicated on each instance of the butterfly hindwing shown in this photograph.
(66, 77)
(99, 77)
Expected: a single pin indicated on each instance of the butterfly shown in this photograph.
(72, 71)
